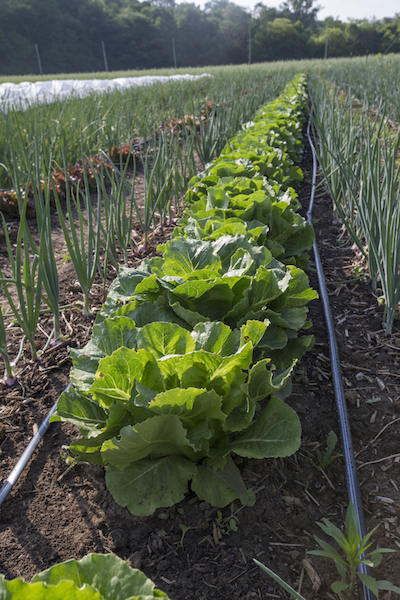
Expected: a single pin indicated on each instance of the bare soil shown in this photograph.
(54, 512)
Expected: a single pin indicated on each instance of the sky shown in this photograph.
(343, 9)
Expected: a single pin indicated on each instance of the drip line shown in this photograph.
(29, 450)
(350, 469)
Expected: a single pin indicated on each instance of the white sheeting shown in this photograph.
(26, 93)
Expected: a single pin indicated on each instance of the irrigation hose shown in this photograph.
(29, 450)
(350, 469)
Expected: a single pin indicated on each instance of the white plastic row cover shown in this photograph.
(23, 94)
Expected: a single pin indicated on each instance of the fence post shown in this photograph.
(250, 47)
(38, 59)
(173, 52)
(104, 56)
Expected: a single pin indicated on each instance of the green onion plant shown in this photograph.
(379, 210)
(83, 238)
(358, 154)
(184, 166)
(10, 376)
(210, 137)
(42, 194)
(158, 167)
(26, 278)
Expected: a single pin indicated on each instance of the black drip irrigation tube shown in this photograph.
(353, 488)
(350, 469)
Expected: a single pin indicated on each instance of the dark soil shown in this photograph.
(54, 512)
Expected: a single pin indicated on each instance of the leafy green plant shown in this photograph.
(173, 408)
(355, 552)
(265, 213)
(186, 348)
(228, 280)
(184, 529)
(228, 524)
(94, 577)
(325, 459)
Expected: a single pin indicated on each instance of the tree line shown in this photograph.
(70, 35)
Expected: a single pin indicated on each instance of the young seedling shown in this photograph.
(325, 459)
(354, 553)
(184, 529)
(230, 523)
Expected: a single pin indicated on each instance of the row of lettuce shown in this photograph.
(190, 360)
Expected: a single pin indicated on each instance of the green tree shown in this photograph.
(280, 39)
(390, 35)
(362, 38)
(302, 10)
(196, 36)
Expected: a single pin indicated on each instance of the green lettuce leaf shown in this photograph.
(276, 432)
(147, 485)
(220, 487)
(115, 378)
(77, 408)
(17, 589)
(107, 573)
(156, 437)
(162, 339)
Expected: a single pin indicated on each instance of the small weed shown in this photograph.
(230, 523)
(184, 529)
(325, 459)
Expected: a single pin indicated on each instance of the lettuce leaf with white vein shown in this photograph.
(18, 589)
(276, 432)
(164, 408)
(107, 336)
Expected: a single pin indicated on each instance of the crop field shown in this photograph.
(163, 296)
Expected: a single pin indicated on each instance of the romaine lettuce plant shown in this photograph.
(175, 408)
(272, 220)
(271, 144)
(225, 280)
(94, 577)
